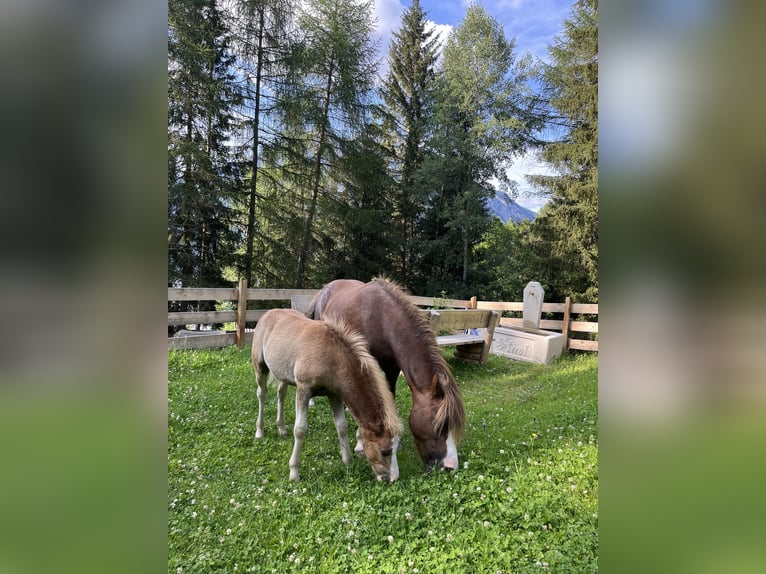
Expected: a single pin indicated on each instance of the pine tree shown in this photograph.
(406, 93)
(202, 172)
(263, 40)
(566, 231)
(331, 76)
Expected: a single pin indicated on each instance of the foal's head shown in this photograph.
(366, 393)
(379, 448)
(380, 425)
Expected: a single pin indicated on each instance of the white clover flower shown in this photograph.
(390, 539)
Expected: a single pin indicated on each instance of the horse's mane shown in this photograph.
(450, 411)
(357, 345)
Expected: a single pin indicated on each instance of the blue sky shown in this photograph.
(534, 24)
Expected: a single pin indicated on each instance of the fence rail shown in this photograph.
(576, 318)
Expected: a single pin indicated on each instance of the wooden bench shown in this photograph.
(469, 347)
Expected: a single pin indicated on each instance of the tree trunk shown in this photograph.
(303, 256)
(250, 239)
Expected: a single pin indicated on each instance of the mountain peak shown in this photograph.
(507, 209)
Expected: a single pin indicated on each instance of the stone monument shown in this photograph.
(529, 342)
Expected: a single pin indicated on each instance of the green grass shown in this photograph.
(525, 498)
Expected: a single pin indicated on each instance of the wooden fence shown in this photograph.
(578, 322)
(576, 318)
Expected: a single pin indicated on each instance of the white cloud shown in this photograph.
(444, 30)
(388, 14)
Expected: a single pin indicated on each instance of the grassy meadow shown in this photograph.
(525, 498)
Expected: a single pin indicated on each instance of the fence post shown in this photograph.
(565, 327)
(473, 302)
(241, 311)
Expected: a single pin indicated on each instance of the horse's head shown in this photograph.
(380, 450)
(436, 421)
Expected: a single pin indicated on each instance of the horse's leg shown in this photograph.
(302, 397)
(341, 425)
(261, 376)
(391, 371)
(281, 393)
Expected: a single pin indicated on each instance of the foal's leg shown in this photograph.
(281, 392)
(261, 376)
(302, 397)
(341, 425)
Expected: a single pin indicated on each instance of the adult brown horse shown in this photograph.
(401, 339)
(326, 358)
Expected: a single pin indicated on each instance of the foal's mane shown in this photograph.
(357, 345)
(450, 411)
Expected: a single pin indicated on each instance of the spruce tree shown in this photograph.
(202, 171)
(406, 94)
(566, 231)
